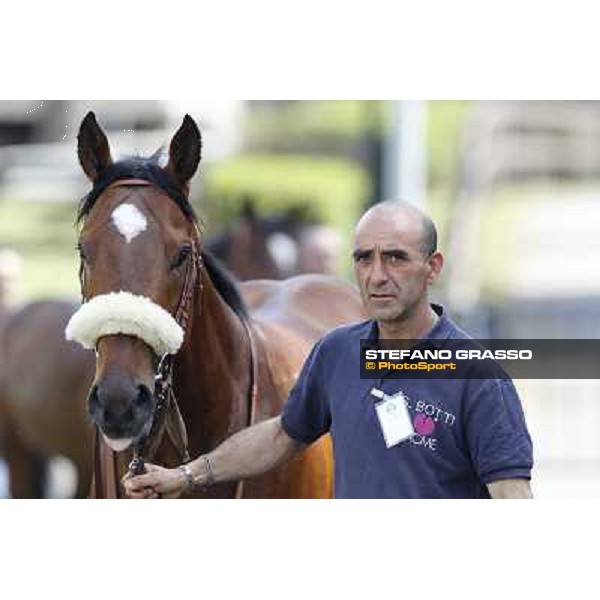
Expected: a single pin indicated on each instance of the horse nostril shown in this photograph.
(143, 399)
(120, 409)
(93, 401)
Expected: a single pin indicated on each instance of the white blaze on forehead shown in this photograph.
(129, 220)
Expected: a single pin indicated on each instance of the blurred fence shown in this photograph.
(563, 415)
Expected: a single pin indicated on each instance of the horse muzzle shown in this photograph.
(118, 403)
(122, 412)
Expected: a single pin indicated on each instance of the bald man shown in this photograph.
(468, 437)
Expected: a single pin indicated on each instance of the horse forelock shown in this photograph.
(147, 169)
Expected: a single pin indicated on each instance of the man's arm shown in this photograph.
(248, 453)
(510, 488)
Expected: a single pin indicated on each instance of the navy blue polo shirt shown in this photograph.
(468, 432)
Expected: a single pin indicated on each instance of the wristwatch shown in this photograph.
(189, 476)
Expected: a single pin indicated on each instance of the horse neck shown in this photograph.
(212, 373)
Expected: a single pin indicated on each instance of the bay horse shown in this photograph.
(260, 248)
(45, 379)
(44, 382)
(182, 360)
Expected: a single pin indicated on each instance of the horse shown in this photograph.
(43, 386)
(182, 360)
(260, 248)
(46, 379)
(24, 434)
(278, 246)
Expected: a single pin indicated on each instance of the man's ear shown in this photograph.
(185, 152)
(436, 263)
(92, 148)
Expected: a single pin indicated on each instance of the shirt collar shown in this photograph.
(439, 333)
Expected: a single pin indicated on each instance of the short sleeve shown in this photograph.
(306, 415)
(497, 435)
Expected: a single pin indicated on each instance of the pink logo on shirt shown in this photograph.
(424, 425)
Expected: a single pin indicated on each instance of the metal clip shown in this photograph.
(137, 466)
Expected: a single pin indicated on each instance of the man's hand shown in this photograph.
(157, 482)
(248, 453)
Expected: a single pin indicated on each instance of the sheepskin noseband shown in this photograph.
(126, 313)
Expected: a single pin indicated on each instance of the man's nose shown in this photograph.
(379, 272)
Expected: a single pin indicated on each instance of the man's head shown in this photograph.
(395, 260)
(319, 250)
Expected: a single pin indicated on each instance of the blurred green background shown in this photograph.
(305, 154)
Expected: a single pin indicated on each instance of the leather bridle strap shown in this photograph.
(252, 392)
(106, 484)
(127, 182)
(167, 414)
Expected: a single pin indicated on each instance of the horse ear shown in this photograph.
(249, 210)
(185, 151)
(92, 148)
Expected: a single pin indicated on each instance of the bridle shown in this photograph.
(167, 415)
(163, 383)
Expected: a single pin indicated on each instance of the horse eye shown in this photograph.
(181, 257)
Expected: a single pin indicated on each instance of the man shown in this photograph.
(470, 439)
(318, 250)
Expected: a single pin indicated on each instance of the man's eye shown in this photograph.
(395, 258)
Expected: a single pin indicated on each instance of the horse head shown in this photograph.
(256, 247)
(139, 253)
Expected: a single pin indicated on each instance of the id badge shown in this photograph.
(394, 418)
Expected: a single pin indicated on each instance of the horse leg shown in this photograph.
(27, 469)
(84, 468)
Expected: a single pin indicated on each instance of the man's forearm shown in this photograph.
(510, 488)
(248, 453)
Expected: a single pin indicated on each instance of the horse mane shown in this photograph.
(218, 245)
(138, 167)
(225, 284)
